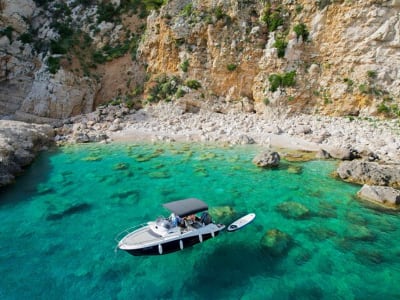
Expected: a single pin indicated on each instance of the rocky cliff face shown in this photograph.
(19, 143)
(54, 62)
(327, 57)
(346, 62)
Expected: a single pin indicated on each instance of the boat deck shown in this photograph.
(142, 236)
(145, 235)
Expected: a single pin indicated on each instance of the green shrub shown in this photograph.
(193, 84)
(53, 63)
(273, 17)
(299, 8)
(185, 65)
(98, 57)
(282, 80)
(280, 44)
(180, 93)
(289, 79)
(164, 88)
(301, 31)
(275, 81)
(187, 10)
(231, 67)
(7, 32)
(364, 89)
(106, 12)
(371, 74)
(383, 109)
(219, 13)
(26, 38)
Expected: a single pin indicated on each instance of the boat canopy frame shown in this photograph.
(186, 207)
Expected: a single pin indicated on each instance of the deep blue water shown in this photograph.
(58, 224)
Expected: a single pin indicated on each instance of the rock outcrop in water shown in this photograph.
(383, 195)
(267, 159)
(19, 143)
(372, 173)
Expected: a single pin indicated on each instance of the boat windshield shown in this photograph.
(164, 223)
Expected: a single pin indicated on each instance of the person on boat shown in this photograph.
(175, 220)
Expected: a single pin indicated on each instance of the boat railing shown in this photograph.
(127, 231)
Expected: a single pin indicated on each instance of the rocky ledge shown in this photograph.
(19, 144)
(381, 195)
(372, 173)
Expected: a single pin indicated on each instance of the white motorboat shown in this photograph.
(188, 224)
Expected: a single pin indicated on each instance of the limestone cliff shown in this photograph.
(346, 63)
(59, 59)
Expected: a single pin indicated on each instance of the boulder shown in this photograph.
(244, 139)
(372, 173)
(267, 159)
(380, 195)
(275, 242)
(342, 153)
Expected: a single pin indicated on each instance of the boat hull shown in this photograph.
(171, 246)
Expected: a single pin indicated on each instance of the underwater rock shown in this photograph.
(159, 174)
(222, 213)
(74, 209)
(319, 233)
(146, 157)
(267, 159)
(301, 255)
(201, 171)
(359, 233)
(299, 156)
(326, 210)
(276, 242)
(383, 195)
(207, 156)
(92, 158)
(368, 257)
(130, 196)
(294, 169)
(293, 210)
(121, 166)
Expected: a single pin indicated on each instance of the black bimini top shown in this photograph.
(186, 207)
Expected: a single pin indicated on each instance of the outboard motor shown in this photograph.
(205, 218)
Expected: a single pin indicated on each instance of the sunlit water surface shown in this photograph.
(58, 224)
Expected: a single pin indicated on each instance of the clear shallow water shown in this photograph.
(60, 219)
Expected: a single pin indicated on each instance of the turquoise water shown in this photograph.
(58, 224)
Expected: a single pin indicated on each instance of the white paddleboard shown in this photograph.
(243, 221)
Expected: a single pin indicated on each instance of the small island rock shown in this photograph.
(267, 159)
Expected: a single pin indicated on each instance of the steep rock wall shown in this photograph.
(348, 65)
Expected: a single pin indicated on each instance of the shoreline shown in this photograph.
(372, 147)
(330, 137)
